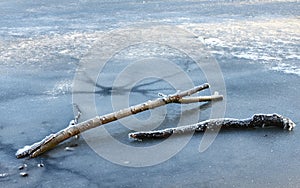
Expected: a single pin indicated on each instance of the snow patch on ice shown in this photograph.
(274, 42)
(46, 49)
(60, 88)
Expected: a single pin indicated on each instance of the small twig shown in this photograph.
(258, 120)
(188, 100)
(74, 129)
(76, 119)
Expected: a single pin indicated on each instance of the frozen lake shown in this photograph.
(256, 44)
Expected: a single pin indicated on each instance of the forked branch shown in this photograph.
(74, 129)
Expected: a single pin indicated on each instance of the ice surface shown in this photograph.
(42, 42)
(274, 42)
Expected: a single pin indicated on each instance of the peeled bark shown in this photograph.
(74, 129)
(258, 120)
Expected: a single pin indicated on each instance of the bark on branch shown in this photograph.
(258, 120)
(74, 129)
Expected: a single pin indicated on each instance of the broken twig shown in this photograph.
(258, 120)
(74, 129)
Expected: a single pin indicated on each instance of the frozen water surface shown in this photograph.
(256, 44)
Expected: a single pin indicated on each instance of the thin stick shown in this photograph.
(188, 100)
(258, 120)
(74, 129)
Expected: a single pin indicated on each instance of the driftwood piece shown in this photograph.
(74, 129)
(258, 120)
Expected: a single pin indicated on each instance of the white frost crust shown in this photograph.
(22, 150)
(288, 124)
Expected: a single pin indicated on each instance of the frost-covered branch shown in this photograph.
(258, 120)
(74, 129)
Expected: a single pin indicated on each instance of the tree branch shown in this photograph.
(74, 129)
(258, 120)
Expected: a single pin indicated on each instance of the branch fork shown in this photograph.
(75, 128)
